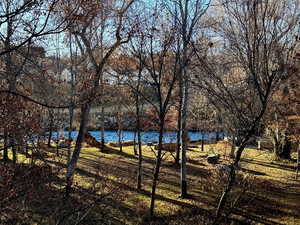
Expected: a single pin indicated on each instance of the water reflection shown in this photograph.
(147, 136)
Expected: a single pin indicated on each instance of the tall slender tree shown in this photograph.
(84, 27)
(187, 15)
(156, 57)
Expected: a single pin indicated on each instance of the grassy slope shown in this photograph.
(273, 196)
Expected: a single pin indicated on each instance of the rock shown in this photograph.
(213, 158)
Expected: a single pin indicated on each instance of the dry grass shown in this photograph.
(266, 190)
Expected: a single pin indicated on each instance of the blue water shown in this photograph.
(146, 136)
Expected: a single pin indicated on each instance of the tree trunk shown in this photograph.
(14, 151)
(286, 148)
(120, 140)
(232, 147)
(5, 150)
(134, 143)
(50, 137)
(298, 161)
(231, 180)
(157, 167)
(71, 114)
(282, 147)
(50, 128)
(140, 165)
(102, 27)
(71, 109)
(183, 168)
(217, 136)
(12, 79)
(178, 146)
(26, 148)
(120, 130)
(275, 146)
(202, 142)
(138, 132)
(102, 128)
(57, 142)
(184, 134)
(85, 110)
(227, 189)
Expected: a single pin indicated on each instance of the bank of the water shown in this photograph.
(147, 136)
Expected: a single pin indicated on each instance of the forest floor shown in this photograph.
(266, 191)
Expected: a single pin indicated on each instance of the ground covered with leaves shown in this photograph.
(104, 191)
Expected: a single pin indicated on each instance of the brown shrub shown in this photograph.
(223, 145)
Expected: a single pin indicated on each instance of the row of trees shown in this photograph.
(233, 55)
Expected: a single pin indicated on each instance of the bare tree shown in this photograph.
(138, 128)
(73, 72)
(83, 27)
(256, 41)
(187, 15)
(27, 21)
(22, 24)
(137, 86)
(157, 38)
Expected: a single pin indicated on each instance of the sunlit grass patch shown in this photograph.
(21, 158)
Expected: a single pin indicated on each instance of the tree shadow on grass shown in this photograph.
(260, 207)
(192, 215)
(268, 200)
(110, 150)
(94, 164)
(131, 188)
(270, 164)
(250, 218)
(33, 195)
(128, 155)
(196, 162)
(254, 172)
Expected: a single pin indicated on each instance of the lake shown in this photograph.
(147, 136)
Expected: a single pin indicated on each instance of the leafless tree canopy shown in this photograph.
(252, 52)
